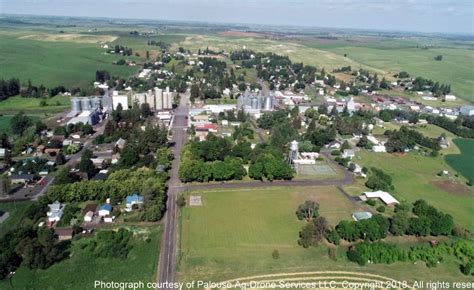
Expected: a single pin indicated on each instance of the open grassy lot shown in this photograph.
(464, 162)
(82, 268)
(5, 125)
(53, 62)
(234, 233)
(16, 211)
(32, 105)
(414, 177)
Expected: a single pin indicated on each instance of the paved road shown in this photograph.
(167, 263)
(40, 190)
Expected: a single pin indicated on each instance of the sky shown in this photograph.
(446, 16)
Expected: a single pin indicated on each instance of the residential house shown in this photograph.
(55, 211)
(348, 153)
(22, 178)
(64, 234)
(89, 212)
(132, 200)
(385, 197)
(120, 144)
(105, 209)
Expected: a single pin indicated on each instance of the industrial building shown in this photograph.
(254, 104)
(85, 110)
(119, 99)
(157, 99)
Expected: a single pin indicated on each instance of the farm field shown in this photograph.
(53, 61)
(464, 162)
(454, 69)
(82, 268)
(243, 227)
(415, 176)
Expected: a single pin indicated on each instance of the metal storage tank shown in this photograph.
(76, 105)
(254, 103)
(86, 104)
(159, 99)
(96, 102)
(268, 103)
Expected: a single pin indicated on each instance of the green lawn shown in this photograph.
(51, 62)
(235, 232)
(16, 211)
(464, 162)
(82, 268)
(5, 125)
(414, 177)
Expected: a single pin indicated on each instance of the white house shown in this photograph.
(450, 98)
(385, 197)
(348, 153)
(379, 148)
(55, 211)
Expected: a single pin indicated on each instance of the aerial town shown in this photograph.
(179, 155)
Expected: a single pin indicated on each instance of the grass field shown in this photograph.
(32, 105)
(245, 226)
(66, 62)
(5, 125)
(235, 232)
(464, 162)
(16, 211)
(414, 177)
(82, 269)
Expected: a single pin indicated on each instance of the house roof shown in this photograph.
(361, 215)
(22, 176)
(106, 207)
(386, 197)
(134, 198)
(90, 207)
(64, 232)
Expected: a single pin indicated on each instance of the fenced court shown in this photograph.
(318, 169)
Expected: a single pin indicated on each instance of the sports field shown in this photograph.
(233, 234)
(464, 162)
(82, 268)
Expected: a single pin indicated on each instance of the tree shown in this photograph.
(438, 57)
(307, 235)
(307, 210)
(399, 224)
(129, 156)
(5, 185)
(195, 92)
(60, 159)
(64, 176)
(86, 165)
(321, 228)
(20, 122)
(419, 226)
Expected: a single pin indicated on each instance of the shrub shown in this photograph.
(275, 254)
(370, 202)
(381, 209)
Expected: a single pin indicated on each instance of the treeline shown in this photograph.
(9, 88)
(120, 49)
(451, 126)
(404, 138)
(163, 45)
(12, 87)
(384, 253)
(421, 84)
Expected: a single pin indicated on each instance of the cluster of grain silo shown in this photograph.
(85, 110)
(157, 99)
(253, 104)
